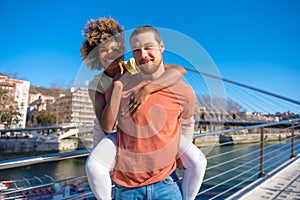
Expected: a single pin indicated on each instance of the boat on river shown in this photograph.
(45, 188)
(4, 186)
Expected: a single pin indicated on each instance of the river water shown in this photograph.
(76, 167)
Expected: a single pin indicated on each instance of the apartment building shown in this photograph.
(75, 107)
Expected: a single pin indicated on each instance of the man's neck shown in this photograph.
(156, 74)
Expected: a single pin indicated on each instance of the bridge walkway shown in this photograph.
(281, 183)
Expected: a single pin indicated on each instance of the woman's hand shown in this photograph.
(137, 99)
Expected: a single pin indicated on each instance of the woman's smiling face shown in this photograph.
(110, 53)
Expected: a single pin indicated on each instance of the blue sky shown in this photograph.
(254, 42)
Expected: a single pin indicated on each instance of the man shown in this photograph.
(104, 48)
(148, 140)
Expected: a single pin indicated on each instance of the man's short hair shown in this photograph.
(144, 29)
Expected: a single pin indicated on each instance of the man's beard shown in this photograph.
(150, 69)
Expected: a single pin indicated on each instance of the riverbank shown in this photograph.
(14, 146)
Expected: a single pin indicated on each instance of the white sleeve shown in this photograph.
(98, 133)
(187, 128)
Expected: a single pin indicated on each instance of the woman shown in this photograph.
(104, 47)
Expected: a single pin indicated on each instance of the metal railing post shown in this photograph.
(292, 141)
(261, 156)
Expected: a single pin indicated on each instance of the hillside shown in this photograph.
(46, 91)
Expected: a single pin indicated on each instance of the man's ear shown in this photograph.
(162, 46)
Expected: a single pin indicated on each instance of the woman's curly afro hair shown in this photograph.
(95, 32)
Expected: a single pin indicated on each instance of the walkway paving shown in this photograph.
(282, 183)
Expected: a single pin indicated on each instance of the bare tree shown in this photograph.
(58, 84)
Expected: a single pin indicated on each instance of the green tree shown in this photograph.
(46, 118)
(8, 112)
(11, 115)
(3, 102)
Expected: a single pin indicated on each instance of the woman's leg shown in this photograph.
(194, 162)
(98, 166)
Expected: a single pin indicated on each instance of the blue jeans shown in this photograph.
(163, 190)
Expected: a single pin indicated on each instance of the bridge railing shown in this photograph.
(19, 162)
(267, 153)
(243, 164)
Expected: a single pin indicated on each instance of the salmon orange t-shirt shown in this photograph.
(148, 142)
